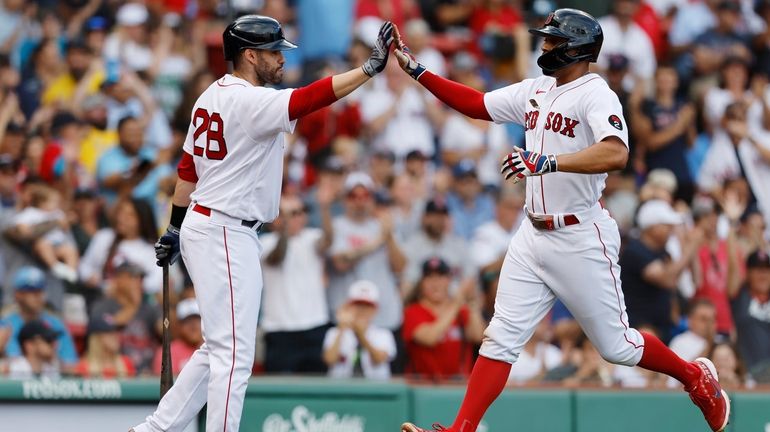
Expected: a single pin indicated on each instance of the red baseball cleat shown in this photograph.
(708, 395)
(409, 427)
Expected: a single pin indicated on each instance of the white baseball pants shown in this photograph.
(223, 260)
(577, 264)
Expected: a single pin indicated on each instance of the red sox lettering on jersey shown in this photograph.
(562, 119)
(555, 122)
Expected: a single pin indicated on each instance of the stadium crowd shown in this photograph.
(394, 219)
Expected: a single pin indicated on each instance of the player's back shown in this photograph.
(236, 139)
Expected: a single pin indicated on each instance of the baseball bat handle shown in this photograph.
(166, 378)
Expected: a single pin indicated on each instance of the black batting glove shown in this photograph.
(167, 247)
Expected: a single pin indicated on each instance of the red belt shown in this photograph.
(207, 212)
(547, 222)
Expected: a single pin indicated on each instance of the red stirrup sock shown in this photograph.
(659, 358)
(487, 381)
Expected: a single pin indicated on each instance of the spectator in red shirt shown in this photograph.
(103, 358)
(713, 257)
(190, 337)
(439, 330)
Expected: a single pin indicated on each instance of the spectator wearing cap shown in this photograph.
(469, 206)
(441, 330)
(131, 235)
(461, 138)
(650, 276)
(624, 36)
(400, 116)
(664, 127)
(128, 43)
(130, 168)
(750, 302)
(95, 33)
(38, 348)
(363, 246)
(189, 337)
(137, 321)
(355, 346)
(295, 314)
(491, 240)
(103, 358)
(98, 138)
(418, 33)
(436, 238)
(30, 286)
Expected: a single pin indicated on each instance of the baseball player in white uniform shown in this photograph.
(568, 246)
(230, 179)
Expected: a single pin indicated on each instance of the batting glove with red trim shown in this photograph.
(524, 163)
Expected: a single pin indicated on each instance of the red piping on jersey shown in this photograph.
(232, 323)
(312, 97)
(542, 141)
(186, 168)
(617, 293)
(466, 100)
(228, 85)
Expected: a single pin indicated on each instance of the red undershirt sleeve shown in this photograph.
(312, 97)
(462, 98)
(186, 168)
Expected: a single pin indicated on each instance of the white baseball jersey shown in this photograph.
(563, 119)
(236, 139)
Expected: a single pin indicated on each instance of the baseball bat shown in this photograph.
(166, 379)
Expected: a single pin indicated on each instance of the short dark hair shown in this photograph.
(125, 119)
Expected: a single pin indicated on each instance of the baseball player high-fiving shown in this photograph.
(230, 180)
(568, 246)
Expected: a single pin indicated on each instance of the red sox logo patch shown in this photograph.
(615, 122)
(549, 19)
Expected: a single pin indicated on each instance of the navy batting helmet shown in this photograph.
(583, 39)
(255, 32)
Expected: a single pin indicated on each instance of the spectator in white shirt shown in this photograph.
(623, 36)
(701, 330)
(355, 347)
(294, 312)
(537, 357)
(401, 105)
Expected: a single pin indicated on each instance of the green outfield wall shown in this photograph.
(276, 404)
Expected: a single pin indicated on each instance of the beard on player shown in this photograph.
(269, 68)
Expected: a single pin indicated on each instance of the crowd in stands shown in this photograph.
(394, 220)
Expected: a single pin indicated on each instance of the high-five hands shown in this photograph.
(405, 58)
(379, 57)
(524, 163)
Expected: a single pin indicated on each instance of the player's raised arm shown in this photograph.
(464, 99)
(326, 91)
